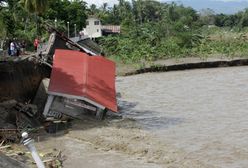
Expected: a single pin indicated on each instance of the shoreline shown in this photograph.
(181, 64)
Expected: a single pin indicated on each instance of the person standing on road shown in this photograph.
(12, 48)
(36, 44)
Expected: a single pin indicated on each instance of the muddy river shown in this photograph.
(188, 119)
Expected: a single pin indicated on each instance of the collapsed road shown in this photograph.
(20, 79)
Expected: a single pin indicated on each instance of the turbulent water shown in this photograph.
(192, 119)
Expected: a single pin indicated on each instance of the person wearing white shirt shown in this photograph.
(12, 48)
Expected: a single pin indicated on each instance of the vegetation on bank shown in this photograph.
(154, 30)
(150, 30)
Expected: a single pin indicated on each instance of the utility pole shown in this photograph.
(68, 29)
(55, 22)
(75, 29)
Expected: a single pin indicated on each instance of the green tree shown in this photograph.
(64, 10)
(207, 16)
(244, 19)
(35, 6)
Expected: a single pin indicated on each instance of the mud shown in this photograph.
(20, 79)
(192, 119)
(189, 63)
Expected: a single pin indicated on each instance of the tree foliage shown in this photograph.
(21, 18)
(34, 6)
(154, 30)
(149, 29)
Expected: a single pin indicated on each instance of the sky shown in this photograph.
(219, 6)
(111, 2)
(100, 2)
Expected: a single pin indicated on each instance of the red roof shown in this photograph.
(78, 75)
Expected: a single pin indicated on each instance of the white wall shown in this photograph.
(92, 30)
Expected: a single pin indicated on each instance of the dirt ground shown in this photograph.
(183, 119)
(124, 69)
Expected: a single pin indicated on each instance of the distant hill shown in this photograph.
(226, 7)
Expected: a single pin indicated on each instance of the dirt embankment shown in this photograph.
(20, 79)
(180, 64)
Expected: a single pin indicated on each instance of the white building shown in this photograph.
(93, 28)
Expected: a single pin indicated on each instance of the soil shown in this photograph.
(20, 79)
(174, 64)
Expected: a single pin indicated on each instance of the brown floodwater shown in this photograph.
(195, 118)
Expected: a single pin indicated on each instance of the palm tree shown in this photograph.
(93, 9)
(104, 6)
(36, 7)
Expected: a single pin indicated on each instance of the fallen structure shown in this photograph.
(58, 41)
(24, 95)
(20, 79)
(64, 81)
(80, 82)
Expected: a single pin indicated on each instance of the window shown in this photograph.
(97, 30)
(97, 22)
(87, 22)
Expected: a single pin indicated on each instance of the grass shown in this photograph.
(221, 42)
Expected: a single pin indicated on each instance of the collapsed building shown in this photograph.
(61, 81)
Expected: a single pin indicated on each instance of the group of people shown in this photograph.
(15, 47)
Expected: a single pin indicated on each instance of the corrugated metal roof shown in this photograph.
(112, 28)
(77, 74)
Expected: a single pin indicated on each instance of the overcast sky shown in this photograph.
(100, 2)
(111, 2)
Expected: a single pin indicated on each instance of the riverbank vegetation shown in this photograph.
(150, 30)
